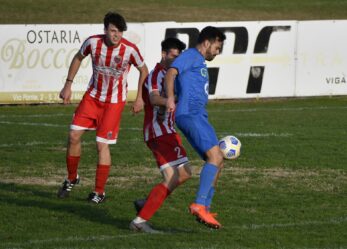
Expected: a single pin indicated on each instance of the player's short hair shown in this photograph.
(116, 19)
(211, 34)
(172, 43)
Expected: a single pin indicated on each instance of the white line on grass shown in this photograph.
(74, 239)
(32, 124)
(302, 108)
(37, 143)
(272, 134)
(34, 115)
(332, 221)
(247, 134)
(281, 109)
(135, 140)
(56, 125)
(33, 143)
(251, 134)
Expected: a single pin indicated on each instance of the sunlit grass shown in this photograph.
(287, 190)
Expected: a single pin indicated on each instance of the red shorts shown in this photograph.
(92, 114)
(168, 151)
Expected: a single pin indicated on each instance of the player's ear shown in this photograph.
(163, 54)
(207, 43)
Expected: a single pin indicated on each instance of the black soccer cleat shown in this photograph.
(96, 198)
(138, 204)
(65, 190)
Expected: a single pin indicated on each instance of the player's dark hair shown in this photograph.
(116, 19)
(172, 43)
(211, 34)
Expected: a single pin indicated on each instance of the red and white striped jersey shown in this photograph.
(157, 121)
(111, 65)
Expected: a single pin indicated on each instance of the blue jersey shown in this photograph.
(191, 84)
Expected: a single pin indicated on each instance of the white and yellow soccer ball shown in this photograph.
(230, 147)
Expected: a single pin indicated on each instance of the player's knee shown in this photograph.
(216, 158)
(171, 183)
(74, 137)
(185, 177)
(181, 175)
(219, 158)
(221, 165)
(185, 174)
(102, 147)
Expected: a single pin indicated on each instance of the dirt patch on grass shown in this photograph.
(322, 180)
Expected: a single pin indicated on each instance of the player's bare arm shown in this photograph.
(169, 86)
(138, 103)
(65, 93)
(156, 99)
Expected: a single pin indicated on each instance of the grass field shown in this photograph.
(287, 190)
(91, 11)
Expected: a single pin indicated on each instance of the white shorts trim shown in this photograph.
(182, 164)
(178, 163)
(106, 141)
(80, 128)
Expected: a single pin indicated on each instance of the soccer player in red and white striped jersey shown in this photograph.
(161, 138)
(111, 65)
(103, 103)
(156, 122)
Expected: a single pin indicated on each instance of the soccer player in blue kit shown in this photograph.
(188, 79)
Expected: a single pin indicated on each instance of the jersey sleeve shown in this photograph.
(182, 63)
(136, 58)
(155, 81)
(86, 47)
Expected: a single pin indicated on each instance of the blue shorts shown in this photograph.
(198, 132)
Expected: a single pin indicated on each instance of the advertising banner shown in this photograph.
(259, 59)
(322, 58)
(34, 60)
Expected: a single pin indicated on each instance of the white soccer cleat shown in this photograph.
(142, 227)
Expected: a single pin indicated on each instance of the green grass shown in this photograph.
(287, 190)
(91, 11)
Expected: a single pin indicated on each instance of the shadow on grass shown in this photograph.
(26, 196)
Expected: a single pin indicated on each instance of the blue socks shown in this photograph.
(207, 176)
(209, 198)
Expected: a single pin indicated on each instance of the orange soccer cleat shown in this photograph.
(214, 215)
(204, 216)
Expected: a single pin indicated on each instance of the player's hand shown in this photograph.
(65, 94)
(170, 104)
(137, 106)
(161, 114)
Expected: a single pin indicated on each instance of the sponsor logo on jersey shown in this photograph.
(117, 59)
(204, 72)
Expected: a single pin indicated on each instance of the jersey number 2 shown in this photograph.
(178, 151)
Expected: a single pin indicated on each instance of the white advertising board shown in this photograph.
(322, 58)
(34, 60)
(259, 59)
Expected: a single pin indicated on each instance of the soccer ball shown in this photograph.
(230, 147)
